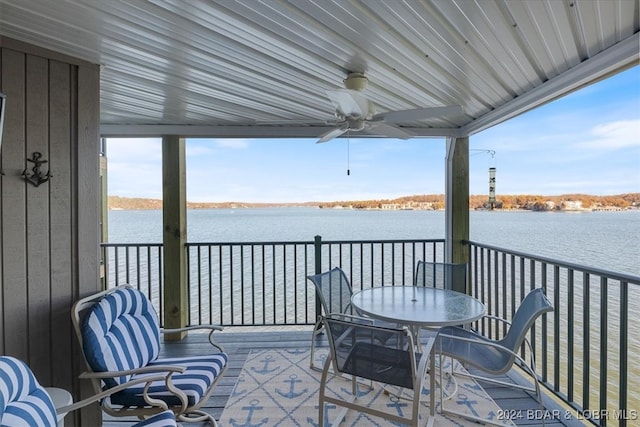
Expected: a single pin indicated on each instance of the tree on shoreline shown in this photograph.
(427, 202)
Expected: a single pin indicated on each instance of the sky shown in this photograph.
(587, 142)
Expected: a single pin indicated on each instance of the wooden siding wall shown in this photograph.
(48, 234)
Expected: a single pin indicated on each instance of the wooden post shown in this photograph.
(174, 219)
(457, 202)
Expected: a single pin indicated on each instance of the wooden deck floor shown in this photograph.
(238, 342)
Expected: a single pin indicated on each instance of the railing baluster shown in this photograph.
(273, 283)
(570, 334)
(586, 334)
(264, 287)
(624, 340)
(556, 325)
(604, 348)
(544, 331)
(361, 264)
(199, 252)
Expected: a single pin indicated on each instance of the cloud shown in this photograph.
(134, 150)
(236, 144)
(614, 135)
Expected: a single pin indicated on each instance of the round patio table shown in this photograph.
(418, 306)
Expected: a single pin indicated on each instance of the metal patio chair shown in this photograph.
(440, 274)
(355, 350)
(119, 333)
(496, 357)
(334, 291)
(24, 402)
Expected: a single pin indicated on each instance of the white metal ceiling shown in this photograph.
(261, 68)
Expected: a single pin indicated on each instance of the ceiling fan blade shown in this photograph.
(404, 116)
(349, 103)
(333, 133)
(383, 129)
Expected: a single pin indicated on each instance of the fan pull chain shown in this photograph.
(348, 143)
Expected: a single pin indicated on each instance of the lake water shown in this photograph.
(605, 240)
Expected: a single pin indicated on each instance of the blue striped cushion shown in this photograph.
(163, 419)
(121, 332)
(23, 402)
(200, 374)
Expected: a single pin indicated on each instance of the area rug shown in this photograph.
(277, 388)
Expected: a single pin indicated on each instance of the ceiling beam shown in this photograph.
(256, 131)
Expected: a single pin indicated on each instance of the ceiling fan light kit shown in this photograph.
(356, 81)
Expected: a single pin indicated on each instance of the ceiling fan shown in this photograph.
(354, 112)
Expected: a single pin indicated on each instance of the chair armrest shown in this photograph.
(353, 318)
(191, 328)
(491, 317)
(210, 328)
(500, 347)
(167, 372)
(144, 370)
(526, 340)
(106, 393)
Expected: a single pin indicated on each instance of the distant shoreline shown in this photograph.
(434, 202)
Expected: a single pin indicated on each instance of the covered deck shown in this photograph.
(76, 71)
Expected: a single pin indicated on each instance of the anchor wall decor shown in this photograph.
(36, 176)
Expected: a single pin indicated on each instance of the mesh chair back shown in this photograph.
(441, 275)
(533, 305)
(23, 401)
(373, 352)
(334, 291)
(121, 332)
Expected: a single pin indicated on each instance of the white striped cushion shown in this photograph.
(23, 401)
(201, 372)
(121, 332)
(163, 419)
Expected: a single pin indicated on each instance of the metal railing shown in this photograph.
(264, 283)
(585, 352)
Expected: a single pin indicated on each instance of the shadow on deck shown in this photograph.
(238, 342)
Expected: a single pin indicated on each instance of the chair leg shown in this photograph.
(322, 398)
(317, 330)
(320, 393)
(535, 389)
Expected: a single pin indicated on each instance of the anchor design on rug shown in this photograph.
(395, 403)
(253, 406)
(314, 423)
(464, 400)
(265, 369)
(323, 359)
(426, 391)
(291, 394)
(235, 391)
(492, 415)
(297, 351)
(359, 391)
